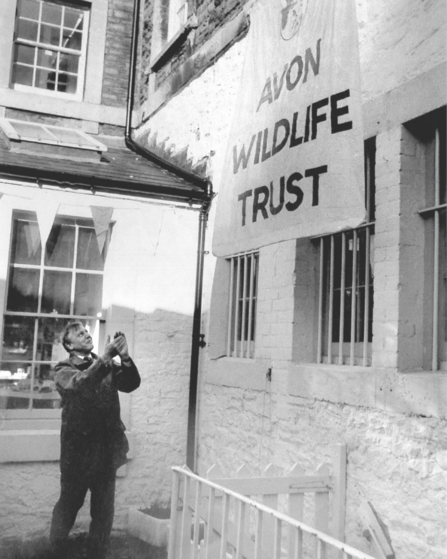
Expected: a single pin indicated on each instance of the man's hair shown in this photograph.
(72, 326)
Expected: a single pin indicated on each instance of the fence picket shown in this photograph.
(213, 544)
(185, 538)
(322, 511)
(270, 501)
(296, 506)
(224, 528)
(196, 542)
(259, 532)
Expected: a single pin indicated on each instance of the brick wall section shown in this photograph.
(275, 301)
(117, 52)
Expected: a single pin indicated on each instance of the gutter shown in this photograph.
(196, 343)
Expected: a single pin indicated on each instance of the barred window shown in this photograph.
(435, 215)
(50, 46)
(46, 289)
(242, 305)
(346, 291)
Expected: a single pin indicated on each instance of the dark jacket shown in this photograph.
(92, 433)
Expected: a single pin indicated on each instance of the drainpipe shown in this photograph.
(206, 185)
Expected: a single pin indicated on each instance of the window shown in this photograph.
(178, 14)
(435, 215)
(242, 305)
(171, 25)
(50, 47)
(46, 289)
(346, 285)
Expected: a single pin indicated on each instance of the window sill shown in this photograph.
(41, 445)
(411, 393)
(173, 46)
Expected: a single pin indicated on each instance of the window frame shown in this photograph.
(81, 75)
(242, 305)
(435, 216)
(97, 320)
(163, 45)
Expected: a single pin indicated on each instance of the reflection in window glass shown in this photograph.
(15, 385)
(23, 290)
(88, 294)
(18, 336)
(59, 251)
(56, 292)
(49, 344)
(88, 251)
(45, 394)
(26, 247)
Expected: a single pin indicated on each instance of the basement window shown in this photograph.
(346, 292)
(242, 305)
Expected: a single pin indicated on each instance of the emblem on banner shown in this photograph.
(292, 13)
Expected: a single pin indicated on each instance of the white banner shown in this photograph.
(294, 163)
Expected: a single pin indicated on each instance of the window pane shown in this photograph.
(72, 40)
(27, 30)
(25, 242)
(15, 385)
(45, 79)
(29, 9)
(50, 35)
(52, 13)
(24, 54)
(56, 292)
(88, 251)
(49, 346)
(67, 83)
(88, 294)
(60, 246)
(18, 336)
(45, 394)
(23, 290)
(74, 19)
(22, 75)
(69, 63)
(47, 58)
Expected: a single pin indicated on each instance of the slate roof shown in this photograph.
(117, 170)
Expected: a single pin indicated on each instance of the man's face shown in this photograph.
(80, 341)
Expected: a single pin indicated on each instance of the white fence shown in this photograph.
(220, 519)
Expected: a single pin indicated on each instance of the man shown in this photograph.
(93, 443)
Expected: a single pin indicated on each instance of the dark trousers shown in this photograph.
(102, 501)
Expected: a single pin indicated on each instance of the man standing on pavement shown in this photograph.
(93, 443)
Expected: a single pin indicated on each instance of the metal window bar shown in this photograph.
(335, 291)
(244, 302)
(242, 305)
(179, 503)
(320, 305)
(435, 212)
